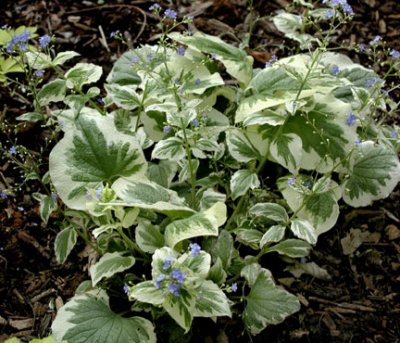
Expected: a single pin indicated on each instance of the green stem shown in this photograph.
(132, 245)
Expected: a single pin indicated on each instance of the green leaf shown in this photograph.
(124, 96)
(146, 292)
(223, 248)
(240, 146)
(274, 234)
(181, 308)
(217, 272)
(49, 339)
(200, 224)
(303, 229)
(38, 60)
(47, 205)
(211, 197)
(109, 265)
(150, 195)
(31, 117)
(267, 304)
(373, 174)
(287, 22)
(249, 237)
(162, 172)
(148, 237)
(242, 181)
(291, 248)
(236, 61)
(86, 319)
(251, 272)
(122, 72)
(64, 243)
(63, 57)
(169, 149)
(286, 149)
(53, 91)
(83, 74)
(93, 153)
(271, 211)
(211, 302)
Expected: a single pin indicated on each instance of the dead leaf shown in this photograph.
(355, 238)
(311, 268)
(392, 232)
(21, 324)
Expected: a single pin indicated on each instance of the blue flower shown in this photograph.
(194, 249)
(150, 57)
(197, 82)
(114, 33)
(195, 122)
(213, 55)
(54, 196)
(358, 142)
(394, 53)
(170, 14)
(335, 70)
(44, 41)
(126, 288)
(154, 7)
(13, 150)
(351, 119)
(234, 287)
(394, 134)
(361, 47)
(98, 192)
(167, 262)
(329, 13)
(179, 276)
(370, 82)
(100, 101)
(291, 181)
(181, 51)
(160, 278)
(3, 195)
(134, 60)
(174, 288)
(167, 129)
(39, 73)
(375, 40)
(347, 9)
(20, 40)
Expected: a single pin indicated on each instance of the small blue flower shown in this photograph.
(160, 278)
(358, 142)
(394, 53)
(54, 196)
(174, 288)
(370, 83)
(361, 47)
(179, 276)
(155, 7)
(195, 122)
(170, 14)
(273, 58)
(213, 55)
(267, 64)
(329, 13)
(181, 51)
(3, 195)
(23, 46)
(197, 82)
(375, 40)
(126, 288)
(351, 119)
(134, 60)
(44, 41)
(150, 57)
(195, 249)
(39, 72)
(167, 129)
(167, 262)
(98, 192)
(13, 150)
(347, 9)
(291, 181)
(335, 70)
(114, 33)
(394, 134)
(234, 287)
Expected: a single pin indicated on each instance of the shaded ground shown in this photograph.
(359, 301)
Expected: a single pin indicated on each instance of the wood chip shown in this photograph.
(21, 324)
(392, 232)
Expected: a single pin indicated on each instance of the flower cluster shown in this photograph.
(18, 41)
(44, 41)
(173, 280)
(347, 9)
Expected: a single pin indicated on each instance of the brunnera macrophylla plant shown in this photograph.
(194, 164)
